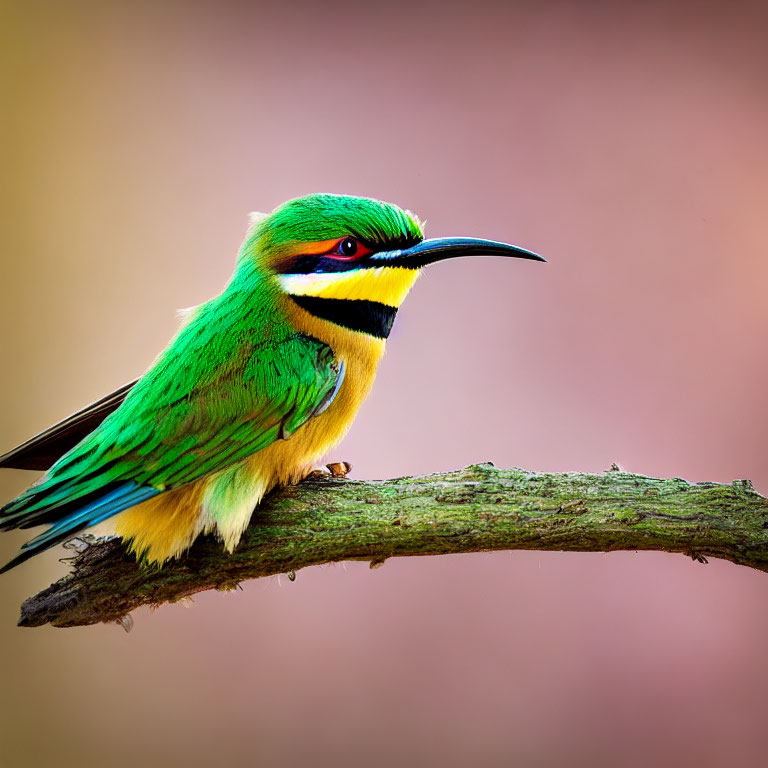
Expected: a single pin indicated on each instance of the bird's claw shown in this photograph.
(339, 468)
(334, 469)
(80, 543)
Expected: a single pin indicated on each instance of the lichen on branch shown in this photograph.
(480, 508)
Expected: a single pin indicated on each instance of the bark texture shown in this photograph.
(479, 508)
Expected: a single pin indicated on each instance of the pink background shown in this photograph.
(624, 141)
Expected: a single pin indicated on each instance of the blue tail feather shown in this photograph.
(124, 496)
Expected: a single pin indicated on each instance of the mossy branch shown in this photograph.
(479, 508)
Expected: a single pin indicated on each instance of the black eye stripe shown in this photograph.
(322, 263)
(306, 265)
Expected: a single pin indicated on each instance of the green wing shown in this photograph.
(187, 418)
(256, 399)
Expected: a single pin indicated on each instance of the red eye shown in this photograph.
(349, 249)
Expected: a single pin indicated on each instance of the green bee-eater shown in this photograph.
(257, 385)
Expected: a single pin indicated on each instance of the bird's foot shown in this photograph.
(339, 468)
(80, 543)
(334, 469)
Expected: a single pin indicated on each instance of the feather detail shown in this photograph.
(164, 526)
(255, 218)
(126, 495)
(187, 315)
(42, 450)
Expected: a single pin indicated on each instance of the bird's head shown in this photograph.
(352, 260)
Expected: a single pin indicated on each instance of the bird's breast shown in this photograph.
(286, 461)
(167, 525)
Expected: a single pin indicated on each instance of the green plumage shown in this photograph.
(324, 217)
(237, 377)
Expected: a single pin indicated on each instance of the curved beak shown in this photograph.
(439, 248)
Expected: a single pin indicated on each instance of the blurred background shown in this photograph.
(624, 141)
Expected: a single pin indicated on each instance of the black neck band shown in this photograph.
(369, 317)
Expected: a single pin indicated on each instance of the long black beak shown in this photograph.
(439, 248)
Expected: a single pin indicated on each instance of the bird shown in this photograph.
(258, 383)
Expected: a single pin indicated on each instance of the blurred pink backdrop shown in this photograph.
(624, 141)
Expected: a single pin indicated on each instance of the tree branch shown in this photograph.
(479, 508)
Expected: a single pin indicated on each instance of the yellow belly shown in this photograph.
(165, 526)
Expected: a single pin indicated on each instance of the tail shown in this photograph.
(41, 451)
(67, 516)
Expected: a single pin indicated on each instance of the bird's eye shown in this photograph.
(347, 247)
